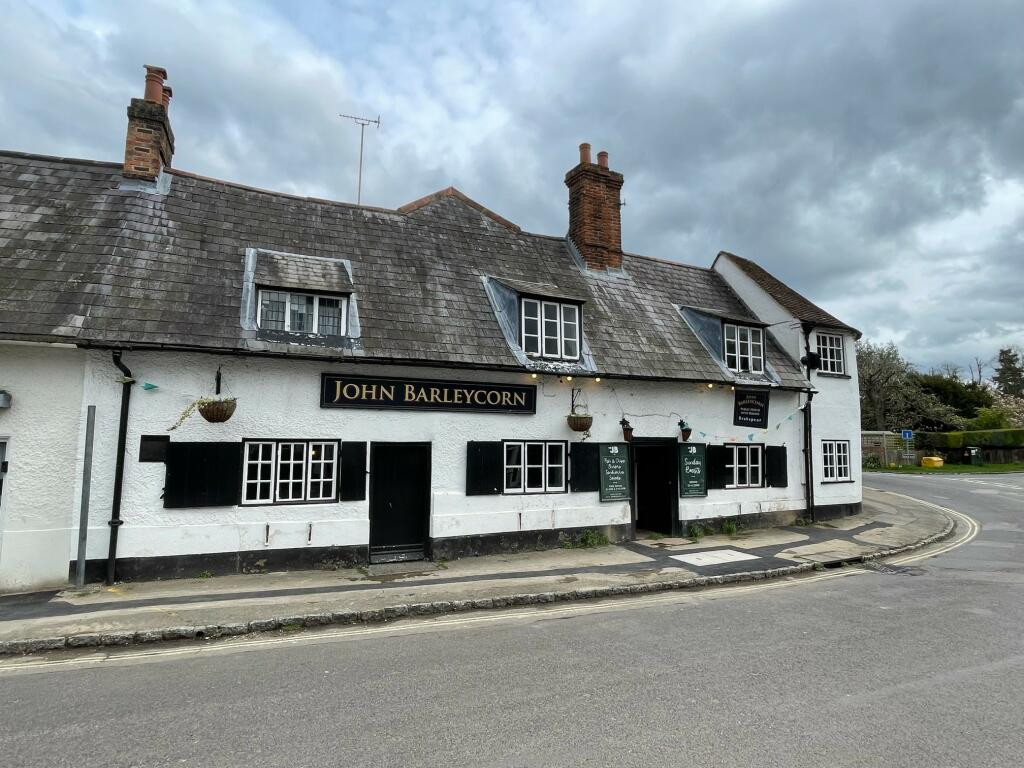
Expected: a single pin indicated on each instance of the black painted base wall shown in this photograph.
(521, 541)
(226, 563)
(822, 513)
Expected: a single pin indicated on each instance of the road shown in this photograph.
(924, 667)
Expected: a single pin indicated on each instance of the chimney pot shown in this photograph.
(166, 96)
(155, 77)
(584, 154)
(602, 159)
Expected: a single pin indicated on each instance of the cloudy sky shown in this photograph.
(871, 154)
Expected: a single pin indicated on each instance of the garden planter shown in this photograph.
(217, 411)
(579, 422)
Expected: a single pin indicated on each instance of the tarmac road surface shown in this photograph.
(918, 663)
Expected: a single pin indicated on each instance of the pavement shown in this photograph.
(190, 609)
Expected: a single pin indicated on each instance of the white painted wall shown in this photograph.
(836, 408)
(280, 399)
(39, 502)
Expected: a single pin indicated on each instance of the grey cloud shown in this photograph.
(817, 138)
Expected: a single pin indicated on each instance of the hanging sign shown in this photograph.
(751, 408)
(693, 469)
(339, 390)
(614, 471)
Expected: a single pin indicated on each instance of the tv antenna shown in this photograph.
(362, 122)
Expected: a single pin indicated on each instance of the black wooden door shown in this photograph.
(399, 501)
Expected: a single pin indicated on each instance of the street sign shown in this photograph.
(908, 434)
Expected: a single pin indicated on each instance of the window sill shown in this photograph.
(250, 504)
(533, 493)
(838, 482)
(828, 375)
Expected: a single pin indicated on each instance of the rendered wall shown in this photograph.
(39, 501)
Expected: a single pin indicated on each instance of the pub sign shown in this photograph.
(339, 390)
(751, 409)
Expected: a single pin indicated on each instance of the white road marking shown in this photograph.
(715, 557)
(449, 622)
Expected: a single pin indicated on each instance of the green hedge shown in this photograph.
(985, 438)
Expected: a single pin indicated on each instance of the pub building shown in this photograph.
(350, 384)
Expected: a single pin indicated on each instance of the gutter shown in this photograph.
(115, 521)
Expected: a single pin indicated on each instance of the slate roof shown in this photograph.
(88, 260)
(798, 306)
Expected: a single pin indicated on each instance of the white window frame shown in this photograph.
(745, 339)
(316, 310)
(752, 455)
(835, 461)
(833, 353)
(566, 316)
(274, 462)
(544, 466)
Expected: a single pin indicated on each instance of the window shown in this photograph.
(744, 348)
(835, 461)
(534, 467)
(830, 347)
(303, 313)
(550, 329)
(289, 471)
(743, 463)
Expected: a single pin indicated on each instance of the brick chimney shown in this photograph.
(594, 223)
(150, 142)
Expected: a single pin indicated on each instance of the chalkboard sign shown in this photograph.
(751, 408)
(614, 472)
(693, 469)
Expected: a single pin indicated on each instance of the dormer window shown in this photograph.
(550, 329)
(303, 312)
(744, 348)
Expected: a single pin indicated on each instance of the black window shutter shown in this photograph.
(485, 468)
(584, 467)
(718, 475)
(203, 475)
(352, 475)
(153, 448)
(775, 474)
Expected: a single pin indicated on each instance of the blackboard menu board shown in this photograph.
(614, 472)
(751, 408)
(693, 469)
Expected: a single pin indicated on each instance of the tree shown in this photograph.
(978, 366)
(892, 396)
(965, 399)
(1009, 375)
(1012, 409)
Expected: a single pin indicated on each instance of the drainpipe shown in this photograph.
(122, 437)
(808, 433)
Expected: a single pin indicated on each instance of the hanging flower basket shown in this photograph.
(213, 409)
(579, 422)
(217, 411)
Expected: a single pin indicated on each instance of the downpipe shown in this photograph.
(115, 521)
(808, 425)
